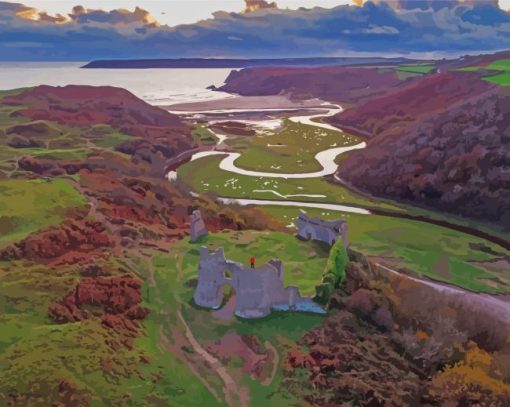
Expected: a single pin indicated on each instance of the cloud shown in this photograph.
(391, 27)
(254, 5)
(380, 30)
(81, 15)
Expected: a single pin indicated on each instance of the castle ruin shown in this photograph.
(258, 291)
(197, 225)
(328, 231)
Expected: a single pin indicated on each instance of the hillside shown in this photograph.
(156, 135)
(80, 221)
(334, 84)
(437, 134)
(441, 142)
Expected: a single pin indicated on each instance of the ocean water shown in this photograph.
(155, 86)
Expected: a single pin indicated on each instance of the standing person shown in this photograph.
(252, 262)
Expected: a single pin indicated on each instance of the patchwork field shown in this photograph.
(501, 78)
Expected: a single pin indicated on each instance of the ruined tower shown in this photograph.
(197, 225)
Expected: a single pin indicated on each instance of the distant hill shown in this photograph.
(238, 63)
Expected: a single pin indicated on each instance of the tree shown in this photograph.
(334, 273)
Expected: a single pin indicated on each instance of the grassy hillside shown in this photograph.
(28, 206)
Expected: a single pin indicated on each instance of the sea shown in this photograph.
(155, 86)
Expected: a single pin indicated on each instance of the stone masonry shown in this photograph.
(328, 231)
(197, 225)
(258, 291)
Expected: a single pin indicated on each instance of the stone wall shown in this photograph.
(327, 231)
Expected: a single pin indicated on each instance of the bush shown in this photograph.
(323, 293)
(334, 273)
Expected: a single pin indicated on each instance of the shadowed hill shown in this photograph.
(442, 142)
(335, 84)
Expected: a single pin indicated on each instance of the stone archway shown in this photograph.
(228, 302)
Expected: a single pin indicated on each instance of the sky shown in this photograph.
(379, 27)
(172, 12)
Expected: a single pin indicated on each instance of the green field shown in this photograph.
(291, 149)
(203, 135)
(420, 248)
(203, 175)
(502, 65)
(419, 69)
(27, 206)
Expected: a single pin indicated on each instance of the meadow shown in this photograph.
(289, 150)
(502, 65)
(29, 205)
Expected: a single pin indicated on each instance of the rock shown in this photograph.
(17, 141)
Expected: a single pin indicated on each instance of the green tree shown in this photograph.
(334, 273)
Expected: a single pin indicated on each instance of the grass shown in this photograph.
(38, 354)
(416, 246)
(420, 248)
(27, 206)
(304, 263)
(290, 150)
(106, 137)
(418, 69)
(59, 142)
(203, 135)
(204, 176)
(502, 65)
(502, 79)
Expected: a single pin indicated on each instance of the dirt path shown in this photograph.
(234, 394)
(174, 348)
(275, 360)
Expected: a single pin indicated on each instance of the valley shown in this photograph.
(103, 266)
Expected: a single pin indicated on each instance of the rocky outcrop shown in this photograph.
(334, 84)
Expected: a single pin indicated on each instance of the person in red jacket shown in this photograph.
(252, 262)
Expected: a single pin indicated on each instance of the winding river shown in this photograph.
(325, 158)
